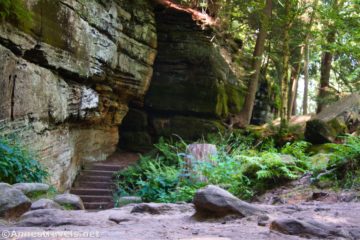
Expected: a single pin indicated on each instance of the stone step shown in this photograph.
(96, 173)
(98, 205)
(90, 178)
(91, 184)
(95, 198)
(102, 167)
(91, 191)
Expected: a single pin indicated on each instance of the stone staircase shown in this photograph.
(94, 184)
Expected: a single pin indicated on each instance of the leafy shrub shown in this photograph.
(18, 165)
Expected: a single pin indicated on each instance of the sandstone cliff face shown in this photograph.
(65, 82)
(195, 83)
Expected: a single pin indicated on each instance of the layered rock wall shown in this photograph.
(66, 80)
(196, 82)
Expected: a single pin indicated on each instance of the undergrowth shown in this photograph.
(343, 167)
(242, 166)
(18, 165)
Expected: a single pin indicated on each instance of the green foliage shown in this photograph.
(16, 12)
(49, 194)
(238, 167)
(297, 149)
(343, 167)
(18, 165)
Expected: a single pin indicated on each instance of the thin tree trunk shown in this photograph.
(246, 112)
(306, 79)
(325, 75)
(294, 83)
(294, 104)
(285, 69)
(307, 59)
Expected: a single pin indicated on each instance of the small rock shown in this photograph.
(31, 187)
(276, 200)
(319, 195)
(51, 218)
(45, 204)
(348, 197)
(305, 228)
(118, 219)
(321, 209)
(13, 202)
(152, 208)
(129, 199)
(262, 224)
(263, 220)
(213, 201)
(68, 199)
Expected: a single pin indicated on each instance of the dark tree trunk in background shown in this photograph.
(294, 79)
(326, 61)
(325, 75)
(246, 112)
(306, 79)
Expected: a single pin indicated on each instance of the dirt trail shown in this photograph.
(176, 222)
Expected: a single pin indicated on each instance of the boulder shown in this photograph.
(52, 218)
(163, 208)
(151, 208)
(213, 201)
(71, 200)
(306, 228)
(45, 204)
(31, 187)
(13, 202)
(339, 118)
(198, 153)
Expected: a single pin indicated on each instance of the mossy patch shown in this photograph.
(49, 194)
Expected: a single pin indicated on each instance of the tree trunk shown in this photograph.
(307, 59)
(285, 69)
(246, 112)
(294, 104)
(325, 75)
(325, 69)
(294, 83)
(306, 79)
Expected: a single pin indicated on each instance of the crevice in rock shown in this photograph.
(13, 98)
(12, 47)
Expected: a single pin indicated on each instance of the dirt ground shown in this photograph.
(177, 222)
